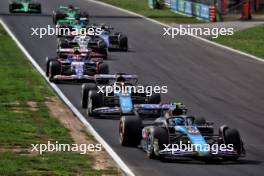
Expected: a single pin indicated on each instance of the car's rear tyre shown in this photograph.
(102, 47)
(232, 136)
(11, 9)
(54, 69)
(36, 6)
(95, 100)
(85, 91)
(161, 136)
(103, 69)
(63, 43)
(48, 65)
(123, 43)
(58, 16)
(130, 130)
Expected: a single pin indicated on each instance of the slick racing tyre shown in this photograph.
(11, 8)
(48, 65)
(14, 6)
(160, 135)
(102, 48)
(36, 7)
(54, 69)
(232, 136)
(123, 43)
(58, 16)
(95, 100)
(130, 131)
(63, 43)
(85, 91)
(103, 69)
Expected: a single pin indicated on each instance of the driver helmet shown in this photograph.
(76, 51)
(120, 79)
(103, 27)
(70, 7)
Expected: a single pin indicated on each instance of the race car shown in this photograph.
(116, 102)
(162, 138)
(24, 6)
(73, 25)
(74, 67)
(94, 46)
(116, 41)
(69, 13)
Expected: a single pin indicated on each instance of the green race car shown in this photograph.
(24, 6)
(69, 13)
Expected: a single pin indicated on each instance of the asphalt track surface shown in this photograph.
(222, 86)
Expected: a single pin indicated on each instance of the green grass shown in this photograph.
(20, 127)
(51, 164)
(248, 40)
(164, 15)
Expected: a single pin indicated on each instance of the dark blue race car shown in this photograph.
(104, 102)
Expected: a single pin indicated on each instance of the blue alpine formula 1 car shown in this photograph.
(175, 135)
(101, 97)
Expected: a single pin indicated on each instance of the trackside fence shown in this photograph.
(194, 9)
(185, 7)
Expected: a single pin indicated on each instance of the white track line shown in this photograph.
(89, 127)
(163, 24)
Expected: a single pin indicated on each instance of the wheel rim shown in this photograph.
(149, 143)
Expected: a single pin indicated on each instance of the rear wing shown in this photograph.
(142, 109)
(67, 8)
(115, 76)
(157, 109)
(155, 106)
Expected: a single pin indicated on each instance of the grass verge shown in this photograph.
(25, 120)
(164, 15)
(248, 40)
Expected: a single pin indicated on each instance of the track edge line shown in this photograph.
(110, 151)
